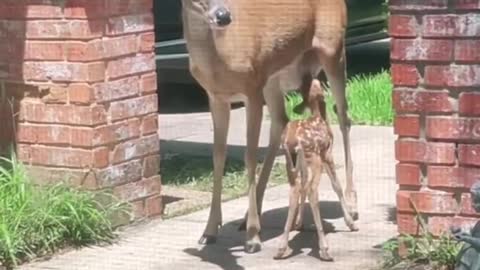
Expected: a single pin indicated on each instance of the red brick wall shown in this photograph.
(80, 98)
(435, 53)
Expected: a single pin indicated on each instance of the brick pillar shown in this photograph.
(435, 58)
(78, 88)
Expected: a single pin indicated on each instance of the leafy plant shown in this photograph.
(438, 252)
(37, 220)
(292, 100)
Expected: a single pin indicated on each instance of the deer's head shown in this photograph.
(216, 12)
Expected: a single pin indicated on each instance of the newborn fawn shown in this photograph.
(308, 150)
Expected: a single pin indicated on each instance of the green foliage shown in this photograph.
(292, 99)
(36, 221)
(369, 99)
(438, 252)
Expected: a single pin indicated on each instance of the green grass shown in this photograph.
(369, 100)
(36, 221)
(196, 173)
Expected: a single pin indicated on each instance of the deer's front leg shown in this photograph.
(276, 107)
(220, 110)
(254, 119)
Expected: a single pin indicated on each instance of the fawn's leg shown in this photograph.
(337, 187)
(283, 249)
(313, 198)
(301, 208)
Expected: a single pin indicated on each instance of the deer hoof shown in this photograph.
(283, 253)
(207, 240)
(252, 247)
(324, 256)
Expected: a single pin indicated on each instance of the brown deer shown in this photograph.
(308, 150)
(256, 50)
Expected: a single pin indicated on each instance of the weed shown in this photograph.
(426, 249)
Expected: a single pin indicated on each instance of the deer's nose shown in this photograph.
(223, 16)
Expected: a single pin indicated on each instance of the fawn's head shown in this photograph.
(216, 12)
(315, 99)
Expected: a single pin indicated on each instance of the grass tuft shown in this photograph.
(36, 221)
(196, 173)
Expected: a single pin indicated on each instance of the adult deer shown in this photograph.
(258, 49)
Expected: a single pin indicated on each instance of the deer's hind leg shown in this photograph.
(329, 43)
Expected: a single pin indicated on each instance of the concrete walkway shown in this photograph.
(172, 244)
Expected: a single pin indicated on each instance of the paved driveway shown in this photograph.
(172, 244)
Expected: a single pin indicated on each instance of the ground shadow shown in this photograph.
(230, 240)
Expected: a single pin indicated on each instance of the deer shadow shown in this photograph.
(229, 246)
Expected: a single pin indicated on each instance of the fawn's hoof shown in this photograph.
(252, 247)
(354, 227)
(283, 253)
(324, 256)
(207, 240)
